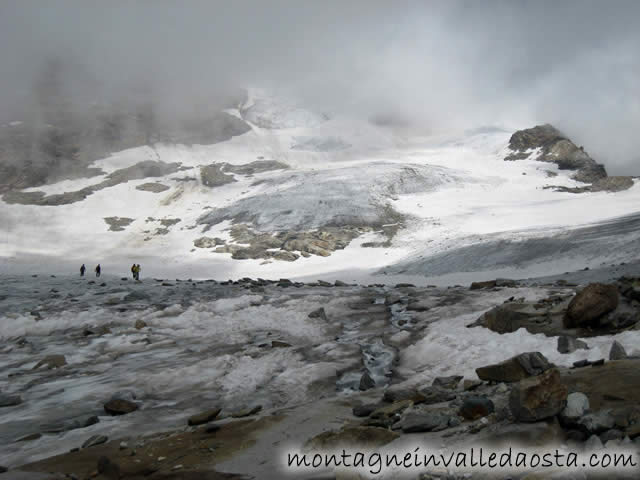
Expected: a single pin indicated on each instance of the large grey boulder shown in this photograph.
(516, 368)
(590, 304)
(537, 398)
(568, 344)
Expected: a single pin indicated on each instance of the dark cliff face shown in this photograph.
(556, 148)
(62, 129)
(31, 155)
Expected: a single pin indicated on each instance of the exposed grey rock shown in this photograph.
(577, 406)
(246, 412)
(483, 285)
(610, 435)
(318, 313)
(213, 176)
(608, 184)
(433, 394)
(450, 382)
(516, 368)
(366, 382)
(555, 148)
(204, 417)
(568, 344)
(396, 394)
(365, 410)
(208, 242)
(95, 440)
(117, 224)
(120, 405)
(617, 351)
(252, 168)
(474, 407)
(597, 422)
(153, 187)
(469, 385)
(424, 422)
(147, 168)
(10, 400)
(537, 398)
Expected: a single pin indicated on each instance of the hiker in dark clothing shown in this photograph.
(82, 270)
(98, 270)
(133, 271)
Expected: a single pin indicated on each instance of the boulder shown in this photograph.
(389, 414)
(120, 406)
(516, 368)
(568, 344)
(366, 382)
(590, 304)
(537, 398)
(365, 410)
(424, 422)
(247, 412)
(597, 422)
(503, 319)
(617, 351)
(474, 407)
(204, 417)
(95, 440)
(318, 313)
(447, 382)
(577, 406)
(431, 395)
(140, 324)
(399, 394)
(469, 385)
(483, 285)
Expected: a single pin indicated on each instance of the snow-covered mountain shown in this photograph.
(292, 192)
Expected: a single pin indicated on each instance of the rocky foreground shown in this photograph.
(116, 379)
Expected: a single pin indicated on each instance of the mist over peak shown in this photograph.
(432, 65)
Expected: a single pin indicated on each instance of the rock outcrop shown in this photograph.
(554, 147)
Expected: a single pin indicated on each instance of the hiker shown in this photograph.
(98, 270)
(138, 272)
(133, 271)
(82, 270)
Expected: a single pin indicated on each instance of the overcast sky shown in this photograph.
(450, 64)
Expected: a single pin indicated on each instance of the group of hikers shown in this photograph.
(135, 270)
